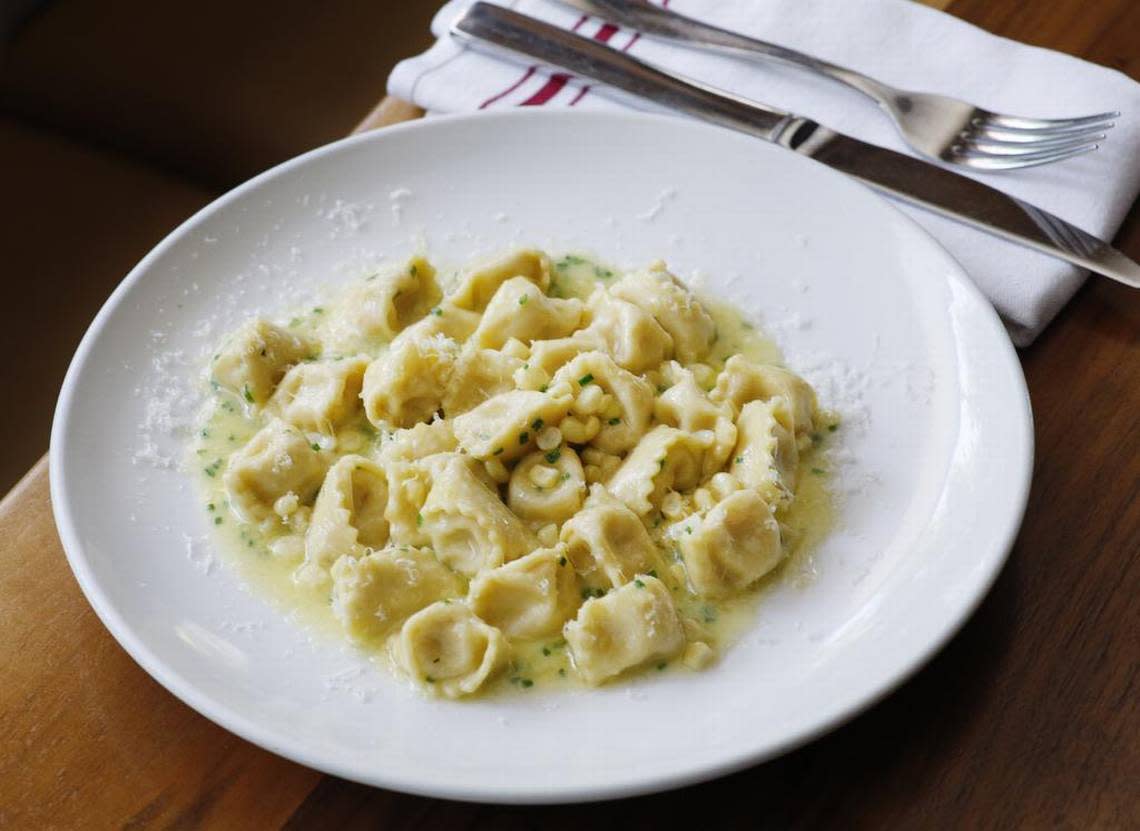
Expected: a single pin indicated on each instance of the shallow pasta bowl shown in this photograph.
(931, 466)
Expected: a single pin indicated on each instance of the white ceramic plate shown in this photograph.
(933, 469)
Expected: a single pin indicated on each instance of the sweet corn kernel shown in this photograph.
(549, 438)
(544, 476)
(497, 470)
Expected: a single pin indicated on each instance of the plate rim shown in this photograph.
(222, 715)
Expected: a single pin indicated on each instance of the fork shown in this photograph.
(935, 126)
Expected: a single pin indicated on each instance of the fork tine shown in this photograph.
(997, 148)
(985, 161)
(1013, 122)
(1014, 139)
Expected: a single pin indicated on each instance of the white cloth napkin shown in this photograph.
(898, 41)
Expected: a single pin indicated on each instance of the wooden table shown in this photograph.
(1029, 718)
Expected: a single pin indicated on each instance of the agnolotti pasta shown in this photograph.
(348, 517)
(320, 396)
(278, 461)
(386, 303)
(469, 527)
(731, 546)
(673, 306)
(543, 471)
(373, 594)
(406, 385)
(530, 597)
(519, 309)
(257, 357)
(607, 542)
(450, 649)
(630, 626)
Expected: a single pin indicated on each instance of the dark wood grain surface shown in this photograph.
(1029, 718)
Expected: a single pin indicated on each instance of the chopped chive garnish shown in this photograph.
(831, 428)
(419, 519)
(437, 311)
(639, 584)
(524, 437)
(526, 682)
(652, 572)
(315, 447)
(585, 379)
(542, 388)
(739, 460)
(217, 520)
(613, 421)
(561, 561)
(413, 270)
(523, 299)
(546, 650)
(537, 424)
(553, 456)
(498, 450)
(661, 666)
(209, 506)
(429, 679)
(318, 310)
(247, 394)
(817, 471)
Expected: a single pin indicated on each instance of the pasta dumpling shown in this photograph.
(506, 426)
(684, 405)
(519, 309)
(257, 357)
(731, 546)
(631, 335)
(408, 485)
(419, 441)
(667, 458)
(320, 396)
(445, 319)
(448, 648)
(548, 356)
(388, 302)
(766, 456)
(373, 594)
(742, 381)
(530, 597)
(672, 305)
(278, 460)
(630, 626)
(478, 374)
(623, 407)
(479, 286)
(348, 516)
(408, 382)
(469, 527)
(547, 486)
(607, 542)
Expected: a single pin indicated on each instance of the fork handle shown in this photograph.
(663, 22)
(485, 25)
